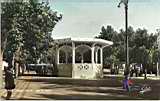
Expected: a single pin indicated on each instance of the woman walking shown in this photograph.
(9, 82)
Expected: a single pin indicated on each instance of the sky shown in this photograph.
(84, 18)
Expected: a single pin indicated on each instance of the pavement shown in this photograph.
(149, 76)
(60, 88)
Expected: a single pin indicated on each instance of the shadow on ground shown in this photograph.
(81, 97)
(65, 81)
(104, 89)
(99, 93)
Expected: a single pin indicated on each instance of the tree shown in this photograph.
(26, 25)
(108, 33)
(142, 46)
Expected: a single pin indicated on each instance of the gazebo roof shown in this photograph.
(85, 40)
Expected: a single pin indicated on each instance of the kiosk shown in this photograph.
(80, 58)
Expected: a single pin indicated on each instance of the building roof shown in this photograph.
(85, 40)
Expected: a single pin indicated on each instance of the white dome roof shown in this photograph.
(86, 40)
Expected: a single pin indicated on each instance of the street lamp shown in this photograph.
(125, 2)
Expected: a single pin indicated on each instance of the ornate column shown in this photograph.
(101, 53)
(96, 56)
(73, 59)
(73, 53)
(57, 55)
(92, 55)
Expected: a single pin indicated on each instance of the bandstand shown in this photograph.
(80, 57)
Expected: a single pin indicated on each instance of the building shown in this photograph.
(80, 58)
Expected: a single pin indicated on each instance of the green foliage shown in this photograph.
(112, 52)
(26, 28)
(142, 46)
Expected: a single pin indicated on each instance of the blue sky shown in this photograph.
(84, 18)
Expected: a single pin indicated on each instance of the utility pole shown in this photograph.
(125, 2)
(1, 73)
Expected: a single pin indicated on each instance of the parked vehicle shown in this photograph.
(41, 69)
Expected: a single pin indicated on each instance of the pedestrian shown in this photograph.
(132, 71)
(9, 82)
(130, 82)
(125, 83)
(145, 74)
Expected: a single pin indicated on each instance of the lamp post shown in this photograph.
(125, 2)
(1, 58)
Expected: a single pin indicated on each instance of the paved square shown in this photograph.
(35, 88)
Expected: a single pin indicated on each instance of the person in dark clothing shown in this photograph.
(145, 74)
(9, 82)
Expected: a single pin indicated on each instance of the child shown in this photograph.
(127, 83)
(130, 82)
